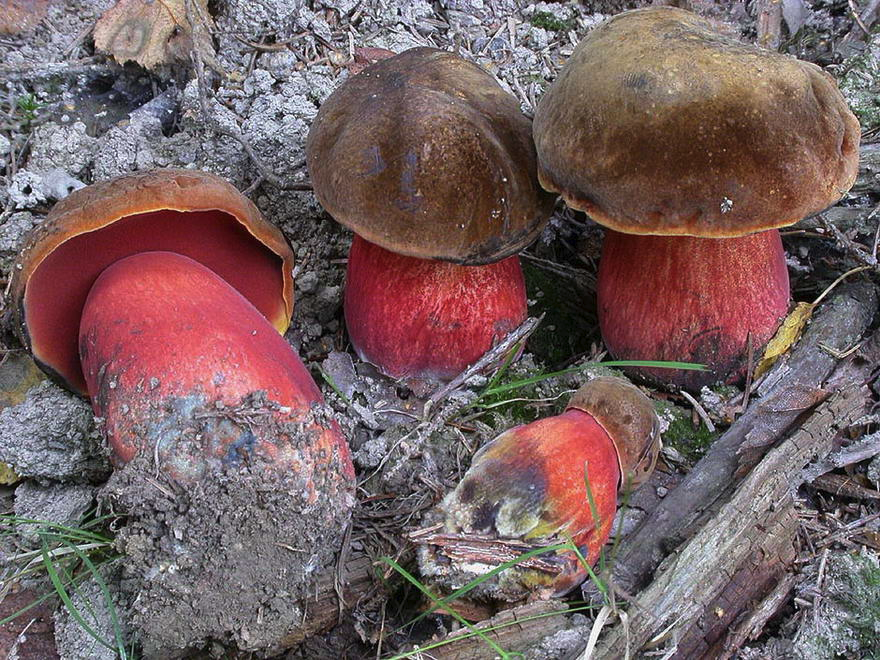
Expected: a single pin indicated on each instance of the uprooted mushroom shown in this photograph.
(162, 296)
(554, 481)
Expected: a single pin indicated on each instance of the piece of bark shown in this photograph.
(762, 569)
(792, 387)
(769, 23)
(701, 570)
(869, 170)
(324, 609)
(515, 630)
(841, 485)
(752, 625)
(31, 635)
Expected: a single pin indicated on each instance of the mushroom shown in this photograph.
(173, 290)
(431, 163)
(527, 489)
(163, 296)
(692, 148)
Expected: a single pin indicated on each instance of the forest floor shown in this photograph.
(797, 546)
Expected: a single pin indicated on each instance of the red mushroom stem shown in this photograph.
(524, 490)
(691, 299)
(185, 369)
(426, 319)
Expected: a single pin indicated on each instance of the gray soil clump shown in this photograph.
(104, 617)
(61, 504)
(52, 435)
(225, 559)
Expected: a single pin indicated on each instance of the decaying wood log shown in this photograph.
(514, 630)
(324, 610)
(792, 387)
(757, 514)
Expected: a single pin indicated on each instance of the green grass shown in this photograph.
(68, 556)
(28, 107)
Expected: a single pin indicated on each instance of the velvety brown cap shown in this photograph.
(629, 420)
(659, 125)
(426, 155)
(101, 223)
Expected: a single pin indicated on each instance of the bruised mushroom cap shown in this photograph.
(426, 155)
(629, 420)
(188, 212)
(660, 125)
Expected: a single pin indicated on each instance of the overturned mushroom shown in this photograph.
(685, 143)
(162, 296)
(528, 489)
(431, 163)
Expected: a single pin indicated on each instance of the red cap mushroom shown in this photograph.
(659, 127)
(527, 489)
(424, 155)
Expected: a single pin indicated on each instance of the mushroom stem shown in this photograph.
(524, 490)
(426, 319)
(691, 299)
(184, 369)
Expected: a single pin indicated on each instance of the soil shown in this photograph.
(236, 564)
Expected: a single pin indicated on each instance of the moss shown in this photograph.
(860, 86)
(681, 433)
(847, 623)
(548, 21)
(569, 325)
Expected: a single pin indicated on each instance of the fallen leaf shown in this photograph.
(7, 475)
(364, 57)
(155, 32)
(18, 16)
(789, 332)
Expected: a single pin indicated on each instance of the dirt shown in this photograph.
(227, 559)
(205, 567)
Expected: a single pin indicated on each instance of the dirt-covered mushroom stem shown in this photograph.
(163, 297)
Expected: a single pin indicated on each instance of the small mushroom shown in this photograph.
(527, 489)
(173, 290)
(430, 162)
(685, 143)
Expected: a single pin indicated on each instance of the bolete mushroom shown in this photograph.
(431, 163)
(173, 290)
(162, 296)
(527, 489)
(692, 148)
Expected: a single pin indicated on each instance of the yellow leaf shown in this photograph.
(154, 32)
(7, 475)
(786, 336)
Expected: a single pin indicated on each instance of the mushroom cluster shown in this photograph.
(163, 296)
(692, 148)
(431, 163)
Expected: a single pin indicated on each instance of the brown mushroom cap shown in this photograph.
(660, 125)
(426, 155)
(629, 420)
(192, 213)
